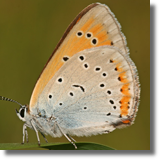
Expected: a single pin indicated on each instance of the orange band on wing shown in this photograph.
(87, 24)
(124, 90)
(72, 43)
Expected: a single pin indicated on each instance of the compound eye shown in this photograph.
(22, 112)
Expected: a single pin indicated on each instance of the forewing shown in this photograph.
(94, 26)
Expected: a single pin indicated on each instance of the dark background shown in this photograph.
(29, 32)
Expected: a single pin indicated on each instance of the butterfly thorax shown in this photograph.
(44, 123)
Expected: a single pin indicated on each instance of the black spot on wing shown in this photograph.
(83, 90)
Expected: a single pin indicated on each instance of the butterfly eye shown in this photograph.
(22, 112)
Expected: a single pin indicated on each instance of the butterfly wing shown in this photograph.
(95, 26)
(95, 91)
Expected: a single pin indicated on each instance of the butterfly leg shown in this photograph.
(67, 136)
(44, 137)
(71, 138)
(25, 133)
(35, 131)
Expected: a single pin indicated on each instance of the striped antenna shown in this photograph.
(8, 99)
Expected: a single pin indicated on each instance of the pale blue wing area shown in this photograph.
(86, 92)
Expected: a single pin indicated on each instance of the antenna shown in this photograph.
(10, 100)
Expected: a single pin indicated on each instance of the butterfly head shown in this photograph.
(22, 112)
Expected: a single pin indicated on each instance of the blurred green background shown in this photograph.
(29, 32)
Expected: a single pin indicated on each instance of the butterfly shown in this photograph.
(89, 85)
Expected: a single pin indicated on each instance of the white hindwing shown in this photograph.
(84, 94)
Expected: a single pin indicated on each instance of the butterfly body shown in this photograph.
(89, 85)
